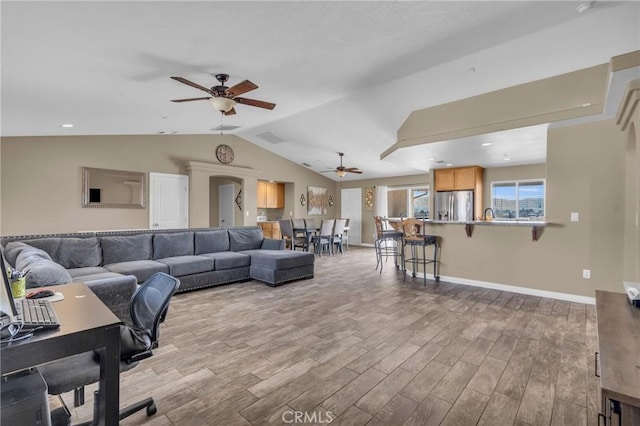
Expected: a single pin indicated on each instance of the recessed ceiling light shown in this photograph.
(471, 69)
(67, 125)
(431, 159)
(487, 144)
(449, 164)
(588, 104)
(507, 158)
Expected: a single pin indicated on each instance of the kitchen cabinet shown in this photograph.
(270, 195)
(270, 230)
(262, 195)
(445, 180)
(458, 179)
(462, 179)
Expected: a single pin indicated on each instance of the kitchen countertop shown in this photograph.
(482, 222)
(493, 222)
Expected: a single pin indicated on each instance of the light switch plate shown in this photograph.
(575, 217)
(586, 274)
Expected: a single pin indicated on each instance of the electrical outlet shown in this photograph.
(575, 217)
(586, 274)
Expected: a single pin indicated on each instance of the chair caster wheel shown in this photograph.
(438, 278)
(151, 410)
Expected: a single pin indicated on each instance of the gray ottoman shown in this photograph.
(276, 267)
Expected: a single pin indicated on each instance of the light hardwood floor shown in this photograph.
(357, 347)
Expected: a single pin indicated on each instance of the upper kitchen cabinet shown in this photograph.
(458, 179)
(270, 195)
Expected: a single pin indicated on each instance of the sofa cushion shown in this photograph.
(280, 259)
(228, 260)
(126, 248)
(81, 272)
(42, 271)
(187, 265)
(12, 250)
(142, 269)
(172, 244)
(99, 276)
(211, 241)
(70, 252)
(245, 239)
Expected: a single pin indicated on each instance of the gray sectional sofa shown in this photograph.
(112, 263)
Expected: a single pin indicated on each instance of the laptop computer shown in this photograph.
(30, 313)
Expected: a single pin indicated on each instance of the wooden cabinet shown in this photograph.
(445, 180)
(458, 179)
(462, 179)
(465, 178)
(262, 195)
(270, 195)
(275, 195)
(270, 229)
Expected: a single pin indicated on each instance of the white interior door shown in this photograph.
(225, 204)
(168, 201)
(351, 207)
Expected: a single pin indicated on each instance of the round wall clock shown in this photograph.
(224, 154)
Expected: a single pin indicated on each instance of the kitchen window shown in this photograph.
(408, 202)
(520, 199)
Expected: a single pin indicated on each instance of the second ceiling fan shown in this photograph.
(224, 98)
(341, 170)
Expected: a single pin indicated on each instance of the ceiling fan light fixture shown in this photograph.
(222, 104)
(341, 173)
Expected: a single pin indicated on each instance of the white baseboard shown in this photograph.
(516, 289)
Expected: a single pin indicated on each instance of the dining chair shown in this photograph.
(337, 237)
(291, 240)
(415, 237)
(324, 237)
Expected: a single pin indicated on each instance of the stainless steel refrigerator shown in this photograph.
(454, 206)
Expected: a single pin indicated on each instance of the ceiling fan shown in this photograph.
(224, 98)
(341, 170)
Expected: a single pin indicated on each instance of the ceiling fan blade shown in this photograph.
(255, 103)
(240, 88)
(354, 171)
(190, 99)
(230, 112)
(192, 84)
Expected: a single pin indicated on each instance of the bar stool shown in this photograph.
(387, 243)
(414, 237)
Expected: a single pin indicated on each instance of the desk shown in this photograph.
(619, 358)
(308, 232)
(85, 324)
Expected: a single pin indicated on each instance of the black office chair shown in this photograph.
(149, 305)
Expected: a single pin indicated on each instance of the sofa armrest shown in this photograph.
(272, 244)
(116, 293)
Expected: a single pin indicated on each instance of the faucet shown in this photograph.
(490, 210)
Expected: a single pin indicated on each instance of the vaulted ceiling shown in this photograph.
(344, 75)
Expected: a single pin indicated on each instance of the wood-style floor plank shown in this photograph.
(359, 347)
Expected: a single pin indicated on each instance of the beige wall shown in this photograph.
(41, 178)
(585, 174)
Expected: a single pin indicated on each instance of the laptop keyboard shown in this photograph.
(36, 313)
